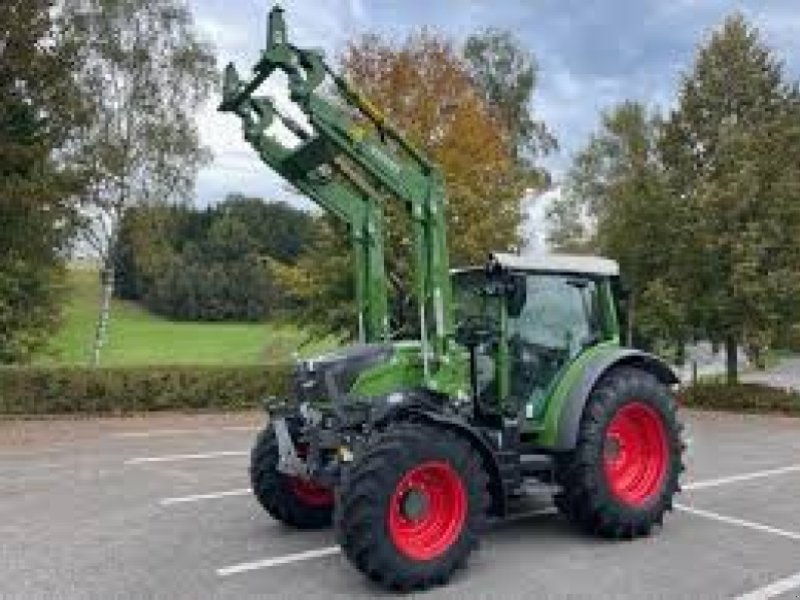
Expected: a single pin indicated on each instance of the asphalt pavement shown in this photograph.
(158, 507)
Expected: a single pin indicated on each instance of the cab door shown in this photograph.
(557, 320)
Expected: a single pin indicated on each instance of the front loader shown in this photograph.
(516, 377)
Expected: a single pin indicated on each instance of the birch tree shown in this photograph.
(148, 72)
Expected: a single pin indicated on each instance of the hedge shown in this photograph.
(742, 397)
(125, 390)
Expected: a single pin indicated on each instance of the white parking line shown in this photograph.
(709, 483)
(276, 561)
(179, 457)
(739, 522)
(210, 496)
(774, 589)
(169, 432)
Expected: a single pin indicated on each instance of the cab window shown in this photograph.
(558, 319)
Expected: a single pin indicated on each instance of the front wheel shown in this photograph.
(622, 476)
(411, 508)
(293, 500)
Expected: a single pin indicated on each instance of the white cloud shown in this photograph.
(535, 226)
(239, 36)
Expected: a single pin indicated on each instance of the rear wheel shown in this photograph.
(621, 478)
(411, 508)
(293, 500)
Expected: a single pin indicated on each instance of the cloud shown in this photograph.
(535, 226)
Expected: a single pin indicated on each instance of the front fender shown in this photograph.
(563, 415)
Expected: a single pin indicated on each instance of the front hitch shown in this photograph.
(289, 462)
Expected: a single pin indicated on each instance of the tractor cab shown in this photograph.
(524, 320)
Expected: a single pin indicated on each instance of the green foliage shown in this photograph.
(40, 110)
(732, 151)
(743, 397)
(210, 265)
(29, 307)
(147, 72)
(276, 229)
(319, 286)
(506, 73)
(84, 390)
(701, 208)
(616, 202)
(140, 338)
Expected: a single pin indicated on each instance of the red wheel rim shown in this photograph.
(310, 493)
(636, 453)
(427, 510)
(305, 490)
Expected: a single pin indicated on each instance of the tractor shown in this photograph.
(515, 375)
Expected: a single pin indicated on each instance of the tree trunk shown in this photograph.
(731, 360)
(101, 331)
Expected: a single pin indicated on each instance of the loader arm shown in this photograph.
(350, 163)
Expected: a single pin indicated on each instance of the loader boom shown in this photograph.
(351, 161)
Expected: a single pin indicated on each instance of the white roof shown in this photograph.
(559, 263)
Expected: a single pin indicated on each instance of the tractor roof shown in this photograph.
(558, 263)
(553, 263)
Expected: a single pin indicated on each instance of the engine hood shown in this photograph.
(331, 376)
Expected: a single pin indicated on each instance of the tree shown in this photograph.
(426, 89)
(210, 264)
(278, 230)
(616, 202)
(40, 108)
(732, 152)
(320, 285)
(506, 74)
(148, 72)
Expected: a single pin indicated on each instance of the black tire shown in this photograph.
(588, 497)
(275, 491)
(370, 490)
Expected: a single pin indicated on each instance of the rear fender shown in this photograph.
(571, 403)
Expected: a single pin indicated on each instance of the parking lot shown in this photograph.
(157, 507)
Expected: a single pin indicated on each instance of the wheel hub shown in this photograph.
(414, 504)
(612, 449)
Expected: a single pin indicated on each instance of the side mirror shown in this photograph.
(516, 295)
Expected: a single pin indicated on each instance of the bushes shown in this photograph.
(66, 390)
(209, 265)
(743, 397)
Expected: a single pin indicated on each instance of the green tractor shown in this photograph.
(516, 377)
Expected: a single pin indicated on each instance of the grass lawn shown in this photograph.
(137, 337)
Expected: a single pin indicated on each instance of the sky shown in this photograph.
(591, 55)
